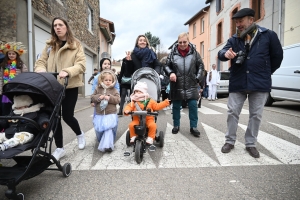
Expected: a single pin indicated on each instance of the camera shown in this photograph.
(240, 57)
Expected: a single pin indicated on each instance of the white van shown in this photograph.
(223, 85)
(286, 79)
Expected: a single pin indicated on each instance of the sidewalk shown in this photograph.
(83, 103)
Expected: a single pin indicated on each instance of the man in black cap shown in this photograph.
(93, 75)
(254, 53)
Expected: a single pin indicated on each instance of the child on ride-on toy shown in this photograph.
(141, 97)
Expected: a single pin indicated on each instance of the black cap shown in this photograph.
(95, 69)
(244, 12)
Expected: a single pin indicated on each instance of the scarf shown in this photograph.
(104, 87)
(10, 71)
(139, 97)
(146, 55)
(183, 52)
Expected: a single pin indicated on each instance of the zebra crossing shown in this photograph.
(180, 152)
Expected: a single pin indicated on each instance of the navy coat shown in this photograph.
(263, 59)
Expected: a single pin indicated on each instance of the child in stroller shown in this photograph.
(16, 132)
(140, 100)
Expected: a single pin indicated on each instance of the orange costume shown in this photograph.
(150, 123)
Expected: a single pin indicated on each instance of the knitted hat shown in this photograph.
(141, 86)
(17, 47)
(22, 100)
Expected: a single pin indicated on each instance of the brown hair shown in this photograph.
(6, 59)
(137, 39)
(55, 41)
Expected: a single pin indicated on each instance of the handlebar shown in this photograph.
(143, 112)
(66, 78)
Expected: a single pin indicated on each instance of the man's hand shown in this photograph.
(230, 54)
(173, 77)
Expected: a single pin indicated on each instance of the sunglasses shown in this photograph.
(183, 42)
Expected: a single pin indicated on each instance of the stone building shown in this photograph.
(29, 22)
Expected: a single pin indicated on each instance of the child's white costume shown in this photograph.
(18, 131)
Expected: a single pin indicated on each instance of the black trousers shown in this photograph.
(123, 95)
(67, 113)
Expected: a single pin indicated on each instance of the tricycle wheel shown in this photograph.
(67, 169)
(138, 153)
(128, 138)
(161, 138)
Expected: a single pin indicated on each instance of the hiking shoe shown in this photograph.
(175, 129)
(81, 141)
(132, 139)
(149, 140)
(253, 152)
(59, 153)
(195, 132)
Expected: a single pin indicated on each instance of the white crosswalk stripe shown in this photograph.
(222, 105)
(238, 156)
(180, 152)
(285, 151)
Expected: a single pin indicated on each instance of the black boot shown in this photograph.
(199, 104)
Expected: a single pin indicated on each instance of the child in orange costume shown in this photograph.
(141, 96)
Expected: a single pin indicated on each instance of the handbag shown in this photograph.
(126, 80)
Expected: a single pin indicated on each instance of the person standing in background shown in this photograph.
(212, 79)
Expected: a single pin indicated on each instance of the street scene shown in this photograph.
(200, 169)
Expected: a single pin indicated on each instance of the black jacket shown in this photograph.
(126, 71)
(137, 63)
(189, 72)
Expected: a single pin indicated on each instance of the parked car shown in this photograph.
(286, 79)
(223, 87)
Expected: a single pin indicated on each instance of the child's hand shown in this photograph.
(106, 97)
(126, 111)
(101, 97)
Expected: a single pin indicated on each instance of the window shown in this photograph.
(218, 5)
(202, 49)
(90, 19)
(233, 25)
(219, 35)
(256, 5)
(202, 25)
(194, 30)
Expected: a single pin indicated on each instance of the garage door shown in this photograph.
(88, 74)
(42, 34)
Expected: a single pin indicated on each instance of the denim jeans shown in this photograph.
(193, 112)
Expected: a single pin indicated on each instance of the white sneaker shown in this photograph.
(132, 139)
(165, 108)
(81, 140)
(59, 153)
(149, 140)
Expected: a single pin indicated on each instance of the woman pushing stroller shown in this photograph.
(141, 98)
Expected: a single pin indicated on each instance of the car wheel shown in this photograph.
(269, 101)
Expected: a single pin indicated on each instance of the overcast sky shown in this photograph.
(163, 18)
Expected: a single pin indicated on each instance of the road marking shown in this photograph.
(290, 130)
(81, 159)
(117, 160)
(180, 152)
(285, 151)
(206, 110)
(222, 105)
(238, 156)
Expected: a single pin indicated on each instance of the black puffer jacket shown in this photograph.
(189, 72)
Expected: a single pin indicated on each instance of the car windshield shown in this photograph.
(224, 75)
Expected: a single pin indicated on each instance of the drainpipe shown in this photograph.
(279, 20)
(29, 19)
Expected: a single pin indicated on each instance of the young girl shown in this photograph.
(11, 66)
(106, 98)
(141, 96)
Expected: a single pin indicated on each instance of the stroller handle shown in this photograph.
(66, 78)
(143, 112)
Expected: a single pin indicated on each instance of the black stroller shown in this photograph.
(151, 77)
(42, 87)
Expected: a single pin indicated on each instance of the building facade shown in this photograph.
(29, 22)
(107, 37)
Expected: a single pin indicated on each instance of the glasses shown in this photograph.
(183, 42)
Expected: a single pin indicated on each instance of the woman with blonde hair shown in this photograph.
(64, 54)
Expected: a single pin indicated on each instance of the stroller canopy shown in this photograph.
(44, 84)
(151, 77)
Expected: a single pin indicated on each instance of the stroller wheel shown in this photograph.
(20, 196)
(67, 169)
(138, 153)
(128, 138)
(161, 138)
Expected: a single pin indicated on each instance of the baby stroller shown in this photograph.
(43, 88)
(151, 77)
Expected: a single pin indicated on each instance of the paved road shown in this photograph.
(186, 167)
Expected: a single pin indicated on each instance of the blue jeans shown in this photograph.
(205, 92)
(193, 112)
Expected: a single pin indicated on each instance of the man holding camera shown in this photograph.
(255, 53)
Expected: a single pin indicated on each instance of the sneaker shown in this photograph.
(165, 108)
(149, 140)
(59, 153)
(132, 139)
(203, 98)
(81, 141)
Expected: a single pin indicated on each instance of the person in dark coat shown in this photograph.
(185, 68)
(126, 71)
(255, 53)
(93, 75)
